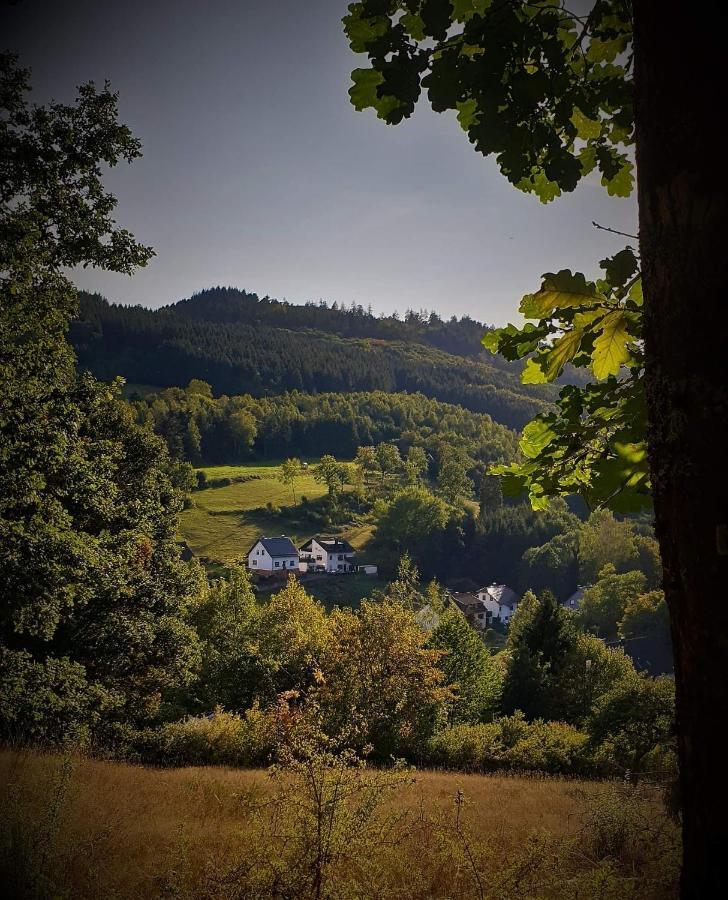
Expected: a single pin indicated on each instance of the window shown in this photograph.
(277, 564)
(255, 562)
(341, 556)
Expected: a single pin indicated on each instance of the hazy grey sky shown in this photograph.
(258, 173)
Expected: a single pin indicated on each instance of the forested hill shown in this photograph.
(239, 344)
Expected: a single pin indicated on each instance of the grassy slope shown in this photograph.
(127, 831)
(225, 521)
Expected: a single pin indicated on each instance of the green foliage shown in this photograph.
(219, 739)
(541, 638)
(91, 585)
(548, 92)
(331, 473)
(416, 465)
(469, 669)
(453, 483)
(594, 443)
(604, 540)
(604, 604)
(633, 719)
(646, 614)
(291, 469)
(543, 89)
(249, 345)
(513, 743)
(380, 680)
(553, 565)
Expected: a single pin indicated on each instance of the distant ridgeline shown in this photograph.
(240, 344)
(203, 429)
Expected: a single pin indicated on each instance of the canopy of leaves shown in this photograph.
(548, 92)
(545, 90)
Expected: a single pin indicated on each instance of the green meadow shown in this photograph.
(225, 520)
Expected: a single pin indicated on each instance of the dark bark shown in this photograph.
(682, 103)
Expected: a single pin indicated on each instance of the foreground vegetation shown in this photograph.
(78, 828)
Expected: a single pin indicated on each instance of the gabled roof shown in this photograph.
(501, 594)
(575, 599)
(277, 546)
(331, 544)
(466, 601)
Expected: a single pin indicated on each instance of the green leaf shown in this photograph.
(363, 92)
(620, 267)
(467, 113)
(635, 293)
(362, 30)
(606, 51)
(535, 437)
(610, 348)
(587, 129)
(562, 290)
(544, 189)
(563, 350)
(491, 340)
(414, 26)
(621, 184)
(533, 373)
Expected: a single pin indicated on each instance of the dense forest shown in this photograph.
(203, 429)
(240, 344)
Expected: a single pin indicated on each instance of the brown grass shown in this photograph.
(127, 831)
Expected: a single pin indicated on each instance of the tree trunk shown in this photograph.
(681, 104)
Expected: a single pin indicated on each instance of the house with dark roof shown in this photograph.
(473, 609)
(574, 601)
(499, 601)
(328, 554)
(273, 556)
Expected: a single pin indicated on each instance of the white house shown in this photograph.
(499, 601)
(328, 554)
(273, 556)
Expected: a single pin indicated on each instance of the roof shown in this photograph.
(575, 599)
(277, 546)
(649, 653)
(466, 601)
(502, 594)
(332, 544)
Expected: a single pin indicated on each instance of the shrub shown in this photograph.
(221, 738)
(515, 744)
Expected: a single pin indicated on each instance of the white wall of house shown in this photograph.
(332, 562)
(259, 560)
(490, 605)
(497, 610)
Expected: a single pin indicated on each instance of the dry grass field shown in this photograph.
(80, 828)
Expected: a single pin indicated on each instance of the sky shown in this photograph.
(258, 173)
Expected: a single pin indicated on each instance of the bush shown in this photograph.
(221, 738)
(512, 743)
(48, 703)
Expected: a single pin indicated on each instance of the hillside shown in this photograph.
(246, 501)
(239, 344)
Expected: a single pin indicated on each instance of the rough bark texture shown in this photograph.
(682, 102)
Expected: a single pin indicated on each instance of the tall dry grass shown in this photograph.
(74, 827)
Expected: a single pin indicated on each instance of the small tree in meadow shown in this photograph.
(291, 470)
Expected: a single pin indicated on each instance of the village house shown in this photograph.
(473, 609)
(574, 601)
(328, 554)
(273, 556)
(499, 602)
